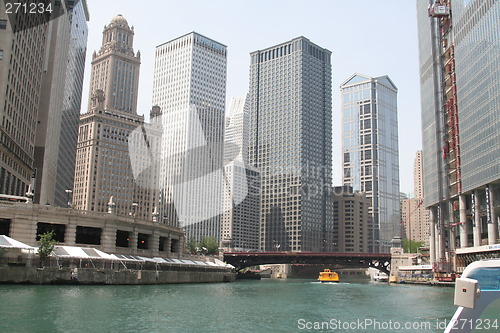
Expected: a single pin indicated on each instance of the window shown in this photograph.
(3, 24)
(88, 235)
(58, 229)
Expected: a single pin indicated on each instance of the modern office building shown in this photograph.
(240, 224)
(77, 49)
(21, 70)
(237, 128)
(459, 69)
(352, 220)
(370, 157)
(290, 143)
(103, 173)
(190, 87)
(414, 215)
(61, 93)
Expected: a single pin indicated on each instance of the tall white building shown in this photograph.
(241, 202)
(414, 215)
(370, 156)
(237, 130)
(190, 87)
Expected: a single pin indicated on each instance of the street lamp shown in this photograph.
(68, 193)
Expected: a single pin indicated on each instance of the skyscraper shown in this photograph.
(370, 157)
(190, 87)
(241, 202)
(115, 68)
(459, 70)
(414, 215)
(236, 134)
(290, 143)
(73, 86)
(103, 162)
(20, 91)
(61, 93)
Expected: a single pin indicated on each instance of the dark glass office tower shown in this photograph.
(290, 142)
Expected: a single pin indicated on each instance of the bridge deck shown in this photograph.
(241, 260)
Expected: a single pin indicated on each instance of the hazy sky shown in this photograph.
(371, 37)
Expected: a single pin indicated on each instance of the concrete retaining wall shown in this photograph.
(49, 275)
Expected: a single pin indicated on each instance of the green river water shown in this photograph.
(244, 306)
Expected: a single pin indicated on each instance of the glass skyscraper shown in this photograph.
(77, 49)
(460, 94)
(290, 143)
(370, 155)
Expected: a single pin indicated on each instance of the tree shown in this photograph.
(210, 244)
(192, 246)
(410, 246)
(47, 243)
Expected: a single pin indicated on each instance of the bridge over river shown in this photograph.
(380, 261)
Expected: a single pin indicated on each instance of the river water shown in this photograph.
(244, 306)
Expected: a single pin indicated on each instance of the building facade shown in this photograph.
(240, 223)
(77, 50)
(237, 129)
(104, 231)
(414, 215)
(352, 220)
(290, 143)
(370, 156)
(190, 87)
(241, 207)
(21, 72)
(115, 68)
(103, 172)
(459, 67)
(61, 89)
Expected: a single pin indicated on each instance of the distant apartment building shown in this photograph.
(370, 157)
(352, 220)
(290, 143)
(460, 96)
(414, 215)
(21, 75)
(61, 94)
(190, 87)
(103, 171)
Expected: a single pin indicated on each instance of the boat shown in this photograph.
(477, 293)
(328, 276)
(380, 277)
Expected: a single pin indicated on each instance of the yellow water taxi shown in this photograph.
(328, 276)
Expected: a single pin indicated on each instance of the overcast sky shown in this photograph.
(371, 37)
